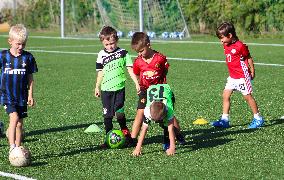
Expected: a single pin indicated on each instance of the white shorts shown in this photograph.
(243, 85)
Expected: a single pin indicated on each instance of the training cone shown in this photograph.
(200, 121)
(93, 128)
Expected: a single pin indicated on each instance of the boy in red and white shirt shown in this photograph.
(151, 68)
(241, 73)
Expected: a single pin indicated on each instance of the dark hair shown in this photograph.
(139, 40)
(108, 33)
(225, 29)
(158, 111)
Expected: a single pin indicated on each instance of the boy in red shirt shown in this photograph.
(241, 72)
(151, 68)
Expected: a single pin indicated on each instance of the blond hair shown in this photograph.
(18, 32)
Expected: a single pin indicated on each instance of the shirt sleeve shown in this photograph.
(99, 63)
(129, 62)
(32, 68)
(245, 51)
(136, 69)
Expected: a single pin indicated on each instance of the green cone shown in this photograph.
(93, 128)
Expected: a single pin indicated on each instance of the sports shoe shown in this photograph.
(221, 123)
(166, 146)
(181, 139)
(126, 132)
(256, 123)
(104, 146)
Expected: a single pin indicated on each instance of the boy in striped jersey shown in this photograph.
(110, 85)
(241, 73)
(16, 90)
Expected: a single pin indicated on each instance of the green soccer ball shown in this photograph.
(115, 139)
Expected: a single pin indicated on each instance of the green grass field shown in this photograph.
(66, 107)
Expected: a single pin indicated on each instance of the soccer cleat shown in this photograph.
(221, 123)
(126, 132)
(104, 146)
(166, 146)
(256, 123)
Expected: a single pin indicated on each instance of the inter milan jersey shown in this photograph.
(160, 92)
(14, 77)
(153, 73)
(112, 64)
(237, 55)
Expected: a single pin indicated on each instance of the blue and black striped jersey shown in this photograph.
(14, 77)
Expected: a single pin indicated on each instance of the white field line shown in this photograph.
(158, 41)
(182, 59)
(14, 176)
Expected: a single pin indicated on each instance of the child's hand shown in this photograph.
(136, 152)
(171, 151)
(31, 101)
(97, 92)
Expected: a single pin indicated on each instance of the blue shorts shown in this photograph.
(21, 110)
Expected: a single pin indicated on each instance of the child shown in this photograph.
(111, 79)
(160, 109)
(17, 68)
(241, 73)
(151, 68)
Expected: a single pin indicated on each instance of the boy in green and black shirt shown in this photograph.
(160, 109)
(110, 85)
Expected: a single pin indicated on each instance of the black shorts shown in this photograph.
(113, 101)
(21, 110)
(142, 101)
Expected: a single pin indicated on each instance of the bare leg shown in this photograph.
(14, 119)
(19, 132)
(251, 102)
(226, 101)
(137, 123)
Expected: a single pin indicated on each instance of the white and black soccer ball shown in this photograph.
(20, 157)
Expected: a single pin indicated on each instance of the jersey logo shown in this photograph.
(233, 51)
(143, 100)
(14, 71)
(157, 65)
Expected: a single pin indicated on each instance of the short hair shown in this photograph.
(108, 33)
(226, 28)
(18, 32)
(139, 40)
(158, 111)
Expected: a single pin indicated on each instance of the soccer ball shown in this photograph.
(20, 157)
(115, 139)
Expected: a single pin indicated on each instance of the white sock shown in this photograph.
(257, 116)
(12, 146)
(225, 117)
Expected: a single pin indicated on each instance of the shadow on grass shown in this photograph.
(65, 128)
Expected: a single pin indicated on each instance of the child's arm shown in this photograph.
(143, 132)
(31, 101)
(251, 66)
(134, 78)
(172, 149)
(98, 83)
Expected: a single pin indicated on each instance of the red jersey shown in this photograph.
(152, 73)
(237, 55)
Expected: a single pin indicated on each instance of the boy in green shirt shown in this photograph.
(160, 109)
(110, 85)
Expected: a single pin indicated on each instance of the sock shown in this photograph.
(225, 117)
(108, 124)
(12, 146)
(257, 116)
